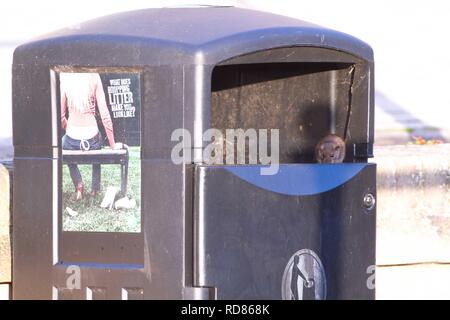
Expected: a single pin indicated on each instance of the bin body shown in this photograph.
(206, 231)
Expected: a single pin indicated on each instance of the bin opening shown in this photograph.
(305, 101)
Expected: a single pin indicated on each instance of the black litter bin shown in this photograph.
(108, 103)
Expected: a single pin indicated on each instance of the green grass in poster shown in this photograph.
(91, 217)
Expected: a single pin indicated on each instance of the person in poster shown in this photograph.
(81, 96)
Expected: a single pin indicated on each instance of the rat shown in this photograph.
(330, 149)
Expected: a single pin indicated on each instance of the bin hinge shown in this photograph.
(200, 293)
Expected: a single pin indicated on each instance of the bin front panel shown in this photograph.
(302, 233)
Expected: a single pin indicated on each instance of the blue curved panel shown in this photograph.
(299, 179)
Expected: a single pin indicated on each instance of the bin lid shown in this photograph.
(215, 33)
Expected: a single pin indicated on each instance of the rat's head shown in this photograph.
(331, 149)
